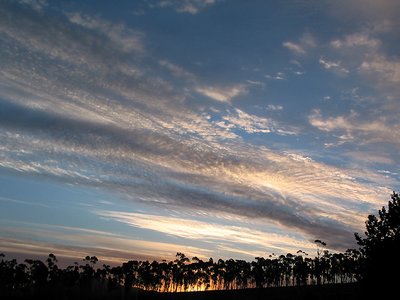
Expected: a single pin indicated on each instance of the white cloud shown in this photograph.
(370, 158)
(127, 40)
(277, 76)
(387, 71)
(216, 234)
(247, 122)
(76, 243)
(129, 133)
(333, 65)
(363, 51)
(274, 107)
(306, 43)
(297, 49)
(222, 94)
(255, 83)
(388, 173)
(37, 5)
(177, 71)
(187, 6)
(365, 11)
(251, 123)
(299, 157)
(356, 40)
(383, 26)
(353, 126)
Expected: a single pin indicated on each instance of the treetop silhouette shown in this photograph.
(381, 246)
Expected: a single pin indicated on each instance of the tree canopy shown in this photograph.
(380, 248)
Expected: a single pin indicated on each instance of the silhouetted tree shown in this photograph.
(88, 271)
(381, 247)
(54, 272)
(181, 274)
(38, 272)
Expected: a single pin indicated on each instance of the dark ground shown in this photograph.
(326, 292)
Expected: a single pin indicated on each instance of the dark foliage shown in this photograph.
(183, 274)
(380, 248)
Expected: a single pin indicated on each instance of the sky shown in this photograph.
(216, 128)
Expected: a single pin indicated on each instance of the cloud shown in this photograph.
(294, 47)
(388, 71)
(359, 39)
(388, 173)
(217, 235)
(127, 40)
(357, 129)
(370, 158)
(273, 107)
(187, 176)
(363, 51)
(334, 66)
(305, 43)
(187, 6)
(253, 124)
(83, 107)
(103, 46)
(222, 94)
(277, 76)
(6, 199)
(365, 12)
(299, 157)
(37, 5)
(255, 83)
(246, 122)
(177, 71)
(73, 243)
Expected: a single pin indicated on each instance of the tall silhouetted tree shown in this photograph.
(381, 248)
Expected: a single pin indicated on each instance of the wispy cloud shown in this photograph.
(388, 71)
(177, 71)
(363, 51)
(277, 76)
(81, 107)
(274, 107)
(222, 94)
(187, 6)
(370, 158)
(250, 123)
(246, 122)
(37, 5)
(7, 199)
(76, 243)
(370, 12)
(334, 66)
(305, 43)
(215, 234)
(127, 40)
(294, 47)
(356, 128)
(359, 39)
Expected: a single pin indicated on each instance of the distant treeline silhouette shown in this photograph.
(369, 264)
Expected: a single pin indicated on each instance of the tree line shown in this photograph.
(366, 264)
(184, 274)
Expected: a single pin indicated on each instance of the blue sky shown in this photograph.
(217, 128)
